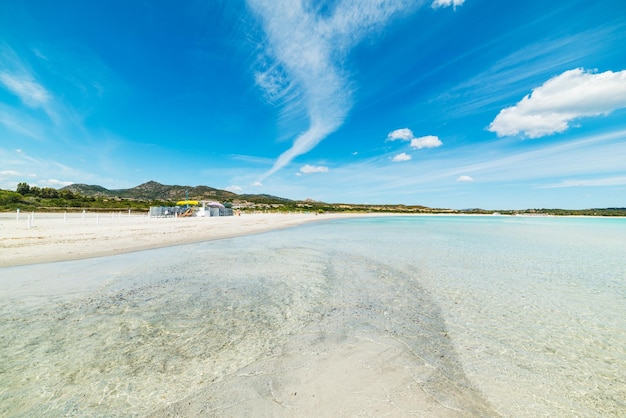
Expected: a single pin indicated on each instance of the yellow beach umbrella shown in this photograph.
(187, 202)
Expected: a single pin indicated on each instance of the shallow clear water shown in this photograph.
(486, 315)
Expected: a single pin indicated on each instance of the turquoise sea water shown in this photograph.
(487, 316)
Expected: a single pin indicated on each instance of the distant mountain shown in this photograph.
(150, 193)
(153, 190)
(87, 189)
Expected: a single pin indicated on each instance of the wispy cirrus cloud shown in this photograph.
(499, 166)
(19, 79)
(20, 123)
(602, 182)
(511, 75)
(30, 92)
(304, 54)
(551, 107)
(584, 158)
(18, 166)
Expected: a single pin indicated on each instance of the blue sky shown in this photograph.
(444, 103)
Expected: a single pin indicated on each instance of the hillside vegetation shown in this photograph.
(77, 197)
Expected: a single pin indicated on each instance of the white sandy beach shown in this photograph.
(53, 237)
(368, 317)
(324, 369)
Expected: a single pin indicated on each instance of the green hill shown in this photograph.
(153, 190)
(152, 193)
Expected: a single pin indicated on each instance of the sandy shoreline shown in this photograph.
(51, 237)
(249, 331)
(307, 322)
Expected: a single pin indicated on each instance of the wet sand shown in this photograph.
(271, 337)
(323, 375)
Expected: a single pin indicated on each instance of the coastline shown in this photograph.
(319, 320)
(52, 237)
(234, 328)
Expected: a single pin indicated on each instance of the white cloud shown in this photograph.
(54, 183)
(429, 141)
(403, 134)
(303, 62)
(234, 189)
(27, 89)
(310, 169)
(447, 3)
(257, 184)
(18, 78)
(9, 173)
(552, 106)
(403, 156)
(355, 153)
(464, 179)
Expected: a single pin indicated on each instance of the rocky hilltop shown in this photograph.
(153, 190)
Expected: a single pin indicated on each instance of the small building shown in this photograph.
(190, 208)
(214, 209)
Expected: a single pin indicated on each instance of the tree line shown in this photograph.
(27, 197)
(45, 192)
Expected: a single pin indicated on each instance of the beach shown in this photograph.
(321, 373)
(50, 237)
(443, 316)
